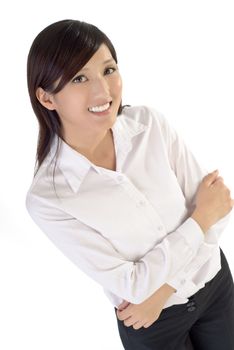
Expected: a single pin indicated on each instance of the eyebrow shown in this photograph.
(107, 61)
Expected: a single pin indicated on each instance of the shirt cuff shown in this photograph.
(184, 287)
(192, 233)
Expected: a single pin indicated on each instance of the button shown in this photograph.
(191, 308)
(142, 202)
(183, 281)
(190, 303)
(120, 178)
(160, 228)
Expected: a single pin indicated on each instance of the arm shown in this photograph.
(134, 281)
(189, 174)
(194, 184)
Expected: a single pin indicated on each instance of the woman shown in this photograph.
(129, 205)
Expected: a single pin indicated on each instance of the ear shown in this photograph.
(45, 99)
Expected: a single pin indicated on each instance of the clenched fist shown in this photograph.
(213, 201)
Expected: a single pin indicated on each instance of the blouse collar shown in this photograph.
(75, 166)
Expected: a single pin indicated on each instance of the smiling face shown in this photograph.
(96, 84)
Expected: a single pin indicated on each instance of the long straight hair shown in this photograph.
(58, 52)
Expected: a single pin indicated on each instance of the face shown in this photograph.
(95, 85)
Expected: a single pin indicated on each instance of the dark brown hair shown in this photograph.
(58, 52)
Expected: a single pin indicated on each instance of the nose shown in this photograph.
(100, 89)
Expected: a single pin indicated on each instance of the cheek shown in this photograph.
(117, 85)
(69, 106)
(73, 101)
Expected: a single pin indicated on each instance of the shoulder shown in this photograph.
(154, 120)
(147, 115)
(41, 195)
(144, 114)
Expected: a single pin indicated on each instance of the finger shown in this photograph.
(209, 178)
(119, 315)
(122, 315)
(131, 321)
(218, 180)
(138, 325)
(148, 324)
(123, 305)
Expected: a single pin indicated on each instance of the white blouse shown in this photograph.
(130, 230)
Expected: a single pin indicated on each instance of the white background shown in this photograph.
(176, 56)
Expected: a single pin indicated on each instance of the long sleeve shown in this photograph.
(134, 281)
(130, 230)
(189, 174)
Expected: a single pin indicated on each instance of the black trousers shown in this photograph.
(205, 322)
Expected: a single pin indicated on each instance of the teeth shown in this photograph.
(100, 108)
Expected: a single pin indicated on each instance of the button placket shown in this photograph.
(141, 202)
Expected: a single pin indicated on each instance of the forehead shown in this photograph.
(101, 56)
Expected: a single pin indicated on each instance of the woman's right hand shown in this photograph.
(213, 201)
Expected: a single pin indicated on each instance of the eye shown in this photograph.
(110, 68)
(78, 79)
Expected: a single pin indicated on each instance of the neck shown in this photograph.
(94, 147)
